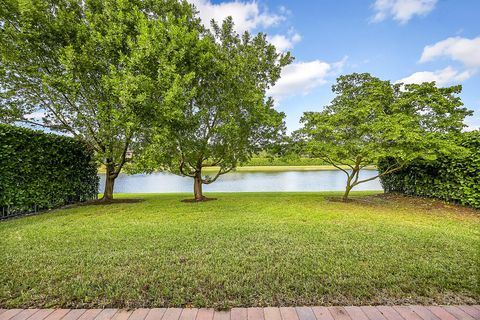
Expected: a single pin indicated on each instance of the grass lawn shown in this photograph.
(248, 249)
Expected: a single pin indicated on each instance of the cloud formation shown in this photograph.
(401, 10)
(464, 50)
(285, 42)
(442, 77)
(301, 77)
(246, 14)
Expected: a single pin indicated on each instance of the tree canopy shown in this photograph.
(86, 67)
(225, 116)
(370, 119)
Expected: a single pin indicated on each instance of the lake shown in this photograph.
(326, 180)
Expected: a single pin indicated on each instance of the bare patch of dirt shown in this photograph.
(419, 203)
(340, 199)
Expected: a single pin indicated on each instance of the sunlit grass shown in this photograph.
(244, 249)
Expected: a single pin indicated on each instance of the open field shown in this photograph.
(248, 249)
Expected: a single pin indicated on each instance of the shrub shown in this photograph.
(42, 171)
(454, 179)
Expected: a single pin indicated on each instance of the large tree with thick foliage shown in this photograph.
(87, 67)
(370, 119)
(226, 116)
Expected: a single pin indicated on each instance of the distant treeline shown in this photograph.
(285, 161)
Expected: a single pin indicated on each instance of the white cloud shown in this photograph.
(246, 14)
(401, 10)
(285, 42)
(467, 51)
(300, 78)
(442, 77)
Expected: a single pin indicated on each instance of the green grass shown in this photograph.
(250, 249)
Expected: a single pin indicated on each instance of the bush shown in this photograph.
(454, 178)
(42, 171)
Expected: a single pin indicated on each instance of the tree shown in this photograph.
(226, 116)
(370, 119)
(86, 67)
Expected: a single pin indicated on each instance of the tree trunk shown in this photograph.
(197, 187)
(109, 183)
(347, 191)
(351, 181)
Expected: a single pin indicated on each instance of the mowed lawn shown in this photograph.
(263, 249)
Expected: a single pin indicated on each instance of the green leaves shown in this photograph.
(452, 177)
(98, 70)
(43, 171)
(218, 111)
(370, 119)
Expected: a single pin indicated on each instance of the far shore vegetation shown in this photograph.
(269, 164)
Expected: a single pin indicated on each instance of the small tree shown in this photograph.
(226, 116)
(370, 119)
(83, 63)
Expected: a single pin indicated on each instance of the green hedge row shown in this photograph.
(42, 171)
(454, 178)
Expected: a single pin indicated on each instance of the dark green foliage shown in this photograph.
(223, 115)
(95, 69)
(42, 171)
(370, 119)
(453, 178)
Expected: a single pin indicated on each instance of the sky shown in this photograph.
(408, 41)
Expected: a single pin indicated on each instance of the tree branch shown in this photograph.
(182, 165)
(327, 159)
(219, 173)
(389, 170)
(123, 158)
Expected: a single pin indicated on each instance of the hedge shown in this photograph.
(41, 171)
(454, 178)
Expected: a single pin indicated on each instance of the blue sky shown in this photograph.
(408, 40)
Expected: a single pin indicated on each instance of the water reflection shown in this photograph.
(329, 180)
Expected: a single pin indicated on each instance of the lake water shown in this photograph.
(329, 180)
